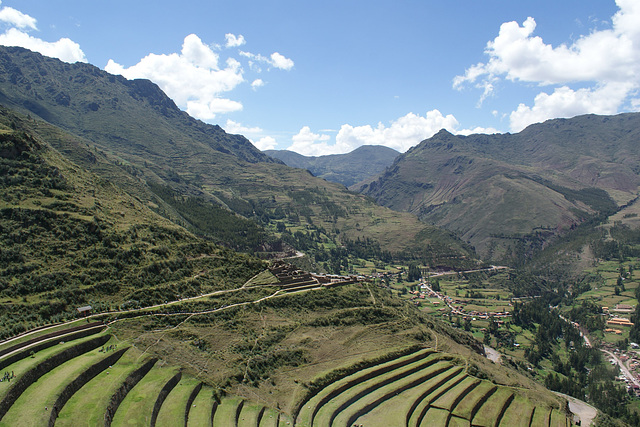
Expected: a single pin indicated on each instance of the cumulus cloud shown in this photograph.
(565, 102)
(281, 62)
(238, 128)
(265, 143)
(400, 135)
(63, 49)
(234, 41)
(608, 60)
(196, 77)
(193, 78)
(17, 18)
(257, 83)
(276, 60)
(17, 35)
(254, 134)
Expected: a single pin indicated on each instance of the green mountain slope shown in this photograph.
(347, 169)
(69, 238)
(131, 134)
(502, 191)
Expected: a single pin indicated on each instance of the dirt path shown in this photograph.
(492, 354)
(583, 410)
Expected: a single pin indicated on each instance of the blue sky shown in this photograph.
(326, 77)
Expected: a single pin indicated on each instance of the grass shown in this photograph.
(466, 407)
(334, 389)
(557, 419)
(37, 400)
(22, 366)
(20, 339)
(518, 413)
(251, 414)
(435, 417)
(200, 412)
(458, 422)
(137, 406)
(455, 394)
(358, 390)
(423, 406)
(389, 393)
(226, 413)
(486, 415)
(173, 408)
(541, 416)
(92, 399)
(395, 408)
(269, 418)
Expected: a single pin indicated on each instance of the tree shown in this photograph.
(414, 272)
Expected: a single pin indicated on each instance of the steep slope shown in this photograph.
(347, 169)
(501, 191)
(131, 134)
(70, 238)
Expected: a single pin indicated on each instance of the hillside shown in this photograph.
(131, 134)
(347, 169)
(509, 194)
(70, 238)
(186, 319)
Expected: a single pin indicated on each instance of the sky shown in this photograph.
(327, 77)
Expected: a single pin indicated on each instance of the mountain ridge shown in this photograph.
(347, 169)
(493, 189)
(147, 145)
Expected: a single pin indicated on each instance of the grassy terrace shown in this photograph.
(93, 398)
(173, 409)
(422, 387)
(36, 401)
(137, 407)
(202, 408)
(389, 391)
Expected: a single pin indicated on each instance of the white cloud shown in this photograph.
(256, 84)
(565, 102)
(64, 49)
(279, 61)
(234, 41)
(265, 143)
(17, 18)
(254, 134)
(310, 144)
(192, 78)
(400, 135)
(276, 60)
(608, 60)
(238, 128)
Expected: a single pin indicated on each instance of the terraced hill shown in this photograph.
(423, 388)
(68, 378)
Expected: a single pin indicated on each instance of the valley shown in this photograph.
(156, 270)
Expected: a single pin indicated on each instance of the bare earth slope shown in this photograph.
(495, 190)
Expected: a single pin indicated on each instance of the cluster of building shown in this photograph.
(614, 321)
(632, 363)
(290, 277)
(457, 306)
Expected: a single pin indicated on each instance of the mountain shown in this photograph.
(347, 169)
(69, 237)
(131, 134)
(511, 193)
